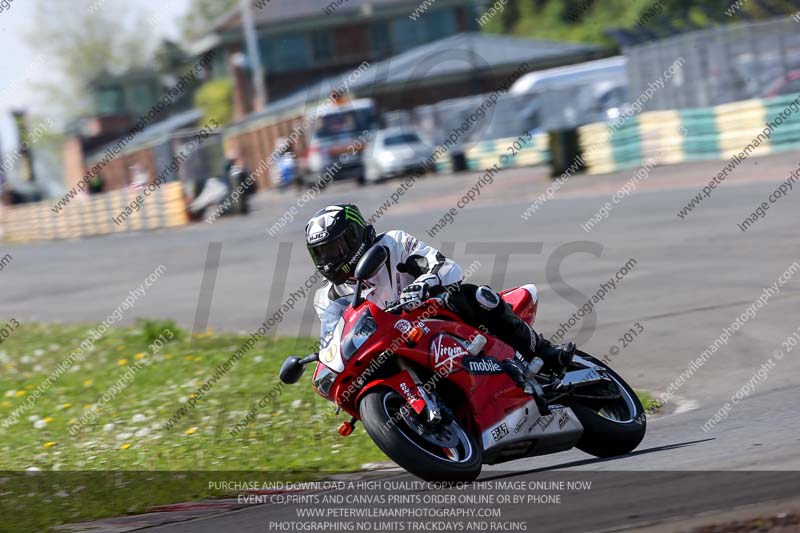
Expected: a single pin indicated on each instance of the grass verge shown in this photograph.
(293, 435)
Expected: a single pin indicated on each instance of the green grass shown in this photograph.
(650, 404)
(294, 432)
(294, 435)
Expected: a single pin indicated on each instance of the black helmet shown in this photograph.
(337, 237)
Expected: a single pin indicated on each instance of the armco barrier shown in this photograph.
(93, 215)
(689, 135)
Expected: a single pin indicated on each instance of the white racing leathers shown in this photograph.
(409, 258)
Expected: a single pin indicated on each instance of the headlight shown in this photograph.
(386, 157)
(363, 329)
(324, 379)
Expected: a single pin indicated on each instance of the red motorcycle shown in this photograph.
(442, 398)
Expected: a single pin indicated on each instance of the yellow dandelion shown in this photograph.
(125, 446)
(48, 419)
(72, 421)
(120, 347)
(6, 404)
(20, 393)
(49, 444)
(191, 431)
(10, 366)
(29, 387)
(87, 382)
(198, 358)
(87, 406)
(140, 355)
(122, 362)
(168, 356)
(188, 357)
(66, 405)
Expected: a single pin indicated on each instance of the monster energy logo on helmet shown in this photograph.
(353, 214)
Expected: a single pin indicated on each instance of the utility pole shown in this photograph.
(253, 54)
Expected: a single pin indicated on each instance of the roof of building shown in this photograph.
(449, 58)
(270, 13)
(154, 134)
(466, 52)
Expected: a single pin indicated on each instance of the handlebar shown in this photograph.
(396, 308)
(399, 307)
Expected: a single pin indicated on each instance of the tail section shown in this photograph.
(524, 301)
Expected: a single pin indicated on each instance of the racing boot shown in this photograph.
(513, 330)
(556, 358)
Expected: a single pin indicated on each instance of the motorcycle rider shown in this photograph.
(338, 236)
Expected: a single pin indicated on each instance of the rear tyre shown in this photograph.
(610, 427)
(381, 415)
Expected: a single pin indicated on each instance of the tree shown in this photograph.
(590, 20)
(215, 100)
(201, 14)
(81, 39)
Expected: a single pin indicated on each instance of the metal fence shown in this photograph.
(723, 64)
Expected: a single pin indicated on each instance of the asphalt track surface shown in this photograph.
(692, 278)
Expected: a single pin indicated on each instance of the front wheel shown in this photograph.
(433, 453)
(613, 419)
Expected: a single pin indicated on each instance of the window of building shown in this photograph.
(286, 53)
(142, 96)
(380, 40)
(321, 47)
(109, 101)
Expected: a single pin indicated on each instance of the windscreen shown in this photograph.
(346, 122)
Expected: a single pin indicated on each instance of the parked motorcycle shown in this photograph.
(441, 398)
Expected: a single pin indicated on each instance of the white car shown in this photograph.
(395, 152)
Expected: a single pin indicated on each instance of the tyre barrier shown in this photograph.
(679, 136)
(502, 152)
(94, 215)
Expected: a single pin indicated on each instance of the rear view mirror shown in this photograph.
(371, 262)
(292, 370)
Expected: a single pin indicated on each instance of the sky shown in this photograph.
(19, 65)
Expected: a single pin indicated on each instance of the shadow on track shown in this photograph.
(599, 460)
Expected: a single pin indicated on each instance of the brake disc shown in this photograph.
(439, 435)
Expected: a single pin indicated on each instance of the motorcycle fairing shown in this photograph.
(524, 301)
(403, 384)
(523, 432)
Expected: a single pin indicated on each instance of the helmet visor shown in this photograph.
(336, 251)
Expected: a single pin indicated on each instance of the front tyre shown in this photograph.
(433, 453)
(614, 421)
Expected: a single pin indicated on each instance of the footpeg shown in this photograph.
(517, 372)
(533, 368)
(533, 388)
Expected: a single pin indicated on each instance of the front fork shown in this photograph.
(427, 404)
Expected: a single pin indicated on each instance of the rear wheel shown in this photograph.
(441, 452)
(613, 419)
